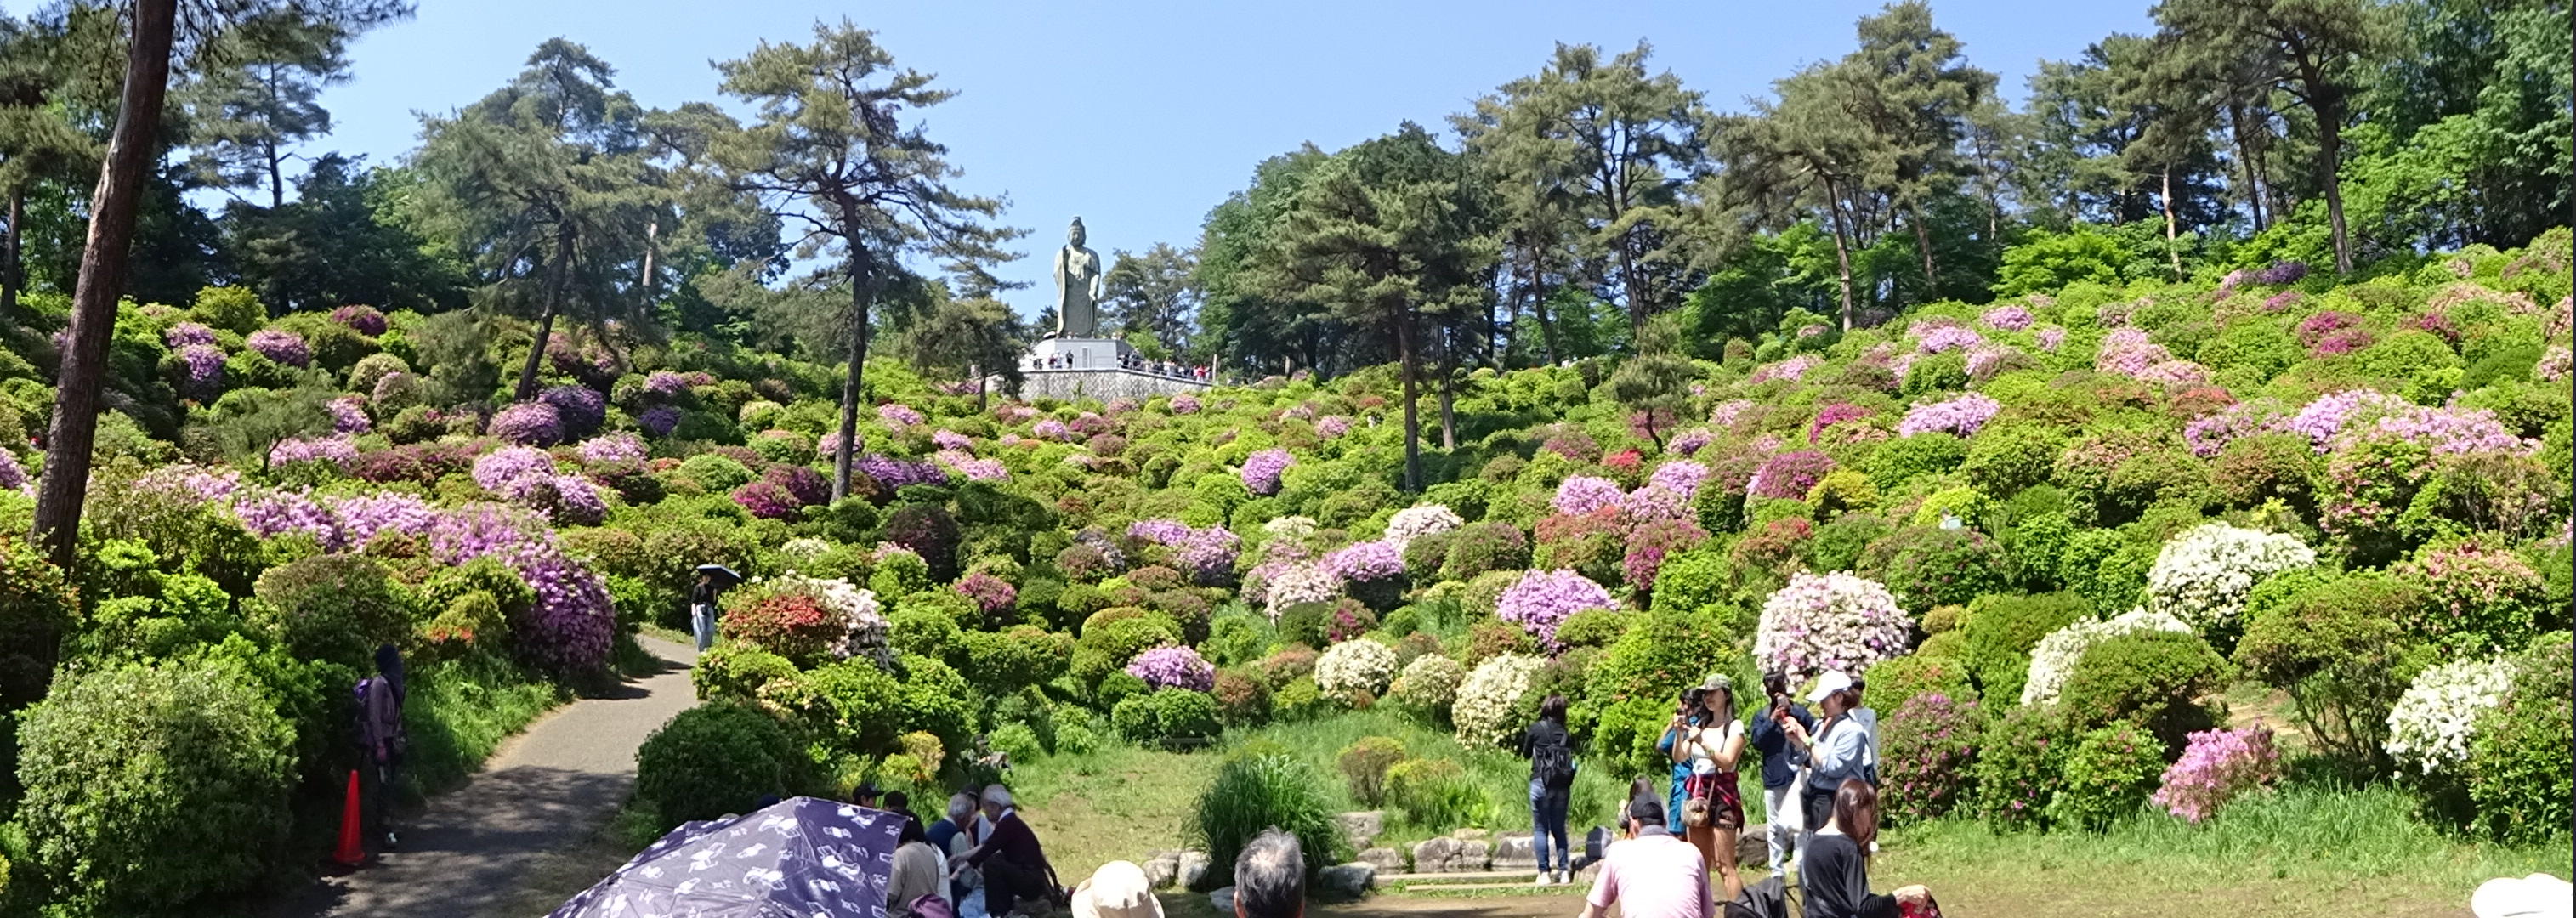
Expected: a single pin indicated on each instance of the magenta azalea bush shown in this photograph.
(1823, 622)
(991, 594)
(1831, 415)
(1789, 475)
(2218, 766)
(1173, 667)
(1541, 600)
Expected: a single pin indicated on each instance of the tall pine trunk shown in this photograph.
(1448, 393)
(854, 384)
(2173, 250)
(130, 154)
(1412, 422)
(1842, 248)
(558, 277)
(2245, 159)
(13, 271)
(2329, 155)
(1923, 244)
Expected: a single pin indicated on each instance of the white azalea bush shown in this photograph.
(2203, 575)
(1429, 683)
(2054, 659)
(1354, 666)
(1829, 622)
(1413, 523)
(1300, 584)
(1483, 710)
(2430, 728)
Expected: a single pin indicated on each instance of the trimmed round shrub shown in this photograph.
(1592, 628)
(2518, 769)
(1429, 684)
(2337, 647)
(1931, 566)
(1112, 637)
(1261, 789)
(2155, 679)
(2019, 763)
(1355, 666)
(1483, 709)
(1166, 714)
(1892, 683)
(1931, 743)
(737, 672)
(1242, 699)
(335, 607)
(2108, 775)
(712, 760)
(716, 473)
(2006, 458)
(147, 786)
(1364, 764)
(1005, 662)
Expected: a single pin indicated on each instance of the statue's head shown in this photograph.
(1073, 234)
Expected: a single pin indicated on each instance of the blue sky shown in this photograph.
(1141, 116)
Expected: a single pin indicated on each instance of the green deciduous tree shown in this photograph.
(1154, 291)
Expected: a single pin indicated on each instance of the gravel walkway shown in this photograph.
(551, 786)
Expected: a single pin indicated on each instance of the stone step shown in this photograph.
(1468, 875)
(1473, 887)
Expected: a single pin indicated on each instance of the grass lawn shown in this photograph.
(2304, 850)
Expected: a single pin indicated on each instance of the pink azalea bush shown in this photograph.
(1948, 338)
(1791, 369)
(1831, 415)
(2007, 317)
(529, 424)
(2218, 766)
(1366, 562)
(615, 447)
(1789, 475)
(338, 451)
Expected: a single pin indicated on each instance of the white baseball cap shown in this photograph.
(1117, 890)
(2536, 896)
(1832, 681)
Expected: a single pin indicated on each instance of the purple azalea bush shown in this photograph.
(1262, 470)
(1948, 338)
(899, 415)
(205, 364)
(1680, 477)
(2007, 318)
(339, 451)
(1962, 416)
(364, 320)
(1541, 600)
(12, 475)
(511, 470)
(529, 424)
(1581, 494)
(580, 409)
(2329, 414)
(1366, 562)
(1173, 667)
(349, 415)
(614, 447)
(187, 333)
(659, 420)
(285, 347)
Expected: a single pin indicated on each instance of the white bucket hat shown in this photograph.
(1117, 890)
(2536, 896)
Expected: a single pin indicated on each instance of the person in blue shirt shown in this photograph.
(1836, 750)
(1686, 717)
(1780, 762)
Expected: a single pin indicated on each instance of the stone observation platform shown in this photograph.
(1101, 368)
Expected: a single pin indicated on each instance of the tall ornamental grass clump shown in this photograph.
(1265, 788)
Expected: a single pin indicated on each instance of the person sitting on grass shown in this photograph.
(1270, 877)
(1014, 865)
(1835, 871)
(943, 834)
(918, 872)
(1651, 874)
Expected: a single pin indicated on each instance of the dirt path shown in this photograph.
(550, 787)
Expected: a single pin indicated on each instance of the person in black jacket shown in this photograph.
(1550, 750)
(1834, 870)
(1780, 761)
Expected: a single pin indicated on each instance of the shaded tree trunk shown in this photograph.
(13, 272)
(2245, 159)
(130, 154)
(1923, 244)
(2329, 156)
(2173, 251)
(1448, 393)
(1842, 248)
(852, 386)
(1412, 422)
(559, 277)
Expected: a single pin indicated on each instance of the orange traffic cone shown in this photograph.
(351, 852)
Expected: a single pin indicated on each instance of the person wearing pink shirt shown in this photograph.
(1651, 874)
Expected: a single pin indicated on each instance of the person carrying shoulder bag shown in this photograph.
(1836, 752)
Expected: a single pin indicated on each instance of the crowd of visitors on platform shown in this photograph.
(1202, 373)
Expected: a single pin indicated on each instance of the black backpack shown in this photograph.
(1552, 763)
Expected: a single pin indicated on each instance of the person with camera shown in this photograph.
(1687, 712)
(1713, 812)
(1780, 763)
(1837, 751)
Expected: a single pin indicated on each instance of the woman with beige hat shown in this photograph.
(1117, 890)
(1716, 744)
